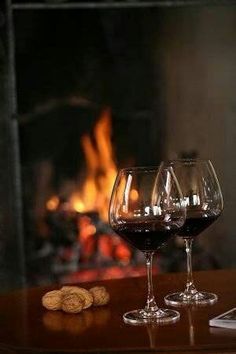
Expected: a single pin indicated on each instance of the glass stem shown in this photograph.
(151, 305)
(190, 287)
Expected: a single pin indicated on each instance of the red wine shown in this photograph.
(147, 236)
(193, 226)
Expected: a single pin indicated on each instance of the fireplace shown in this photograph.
(87, 93)
(69, 213)
(97, 86)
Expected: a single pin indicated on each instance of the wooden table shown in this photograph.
(26, 327)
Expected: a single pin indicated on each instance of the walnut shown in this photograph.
(52, 300)
(72, 302)
(100, 295)
(88, 298)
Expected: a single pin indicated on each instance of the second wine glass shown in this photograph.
(146, 209)
(204, 204)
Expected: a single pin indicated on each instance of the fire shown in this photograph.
(94, 194)
(89, 200)
(101, 170)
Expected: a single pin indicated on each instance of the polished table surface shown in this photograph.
(26, 327)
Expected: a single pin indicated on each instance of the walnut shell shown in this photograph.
(88, 298)
(72, 302)
(100, 295)
(52, 300)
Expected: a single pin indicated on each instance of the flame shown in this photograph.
(94, 194)
(101, 170)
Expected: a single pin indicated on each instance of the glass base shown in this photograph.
(197, 298)
(161, 316)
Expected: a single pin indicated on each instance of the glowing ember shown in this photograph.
(86, 237)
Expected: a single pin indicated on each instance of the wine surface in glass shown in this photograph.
(146, 236)
(195, 224)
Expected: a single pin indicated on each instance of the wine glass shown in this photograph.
(204, 204)
(146, 209)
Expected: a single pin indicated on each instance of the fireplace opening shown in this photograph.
(67, 214)
(69, 211)
(87, 105)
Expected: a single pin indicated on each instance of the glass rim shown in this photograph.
(141, 168)
(187, 160)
